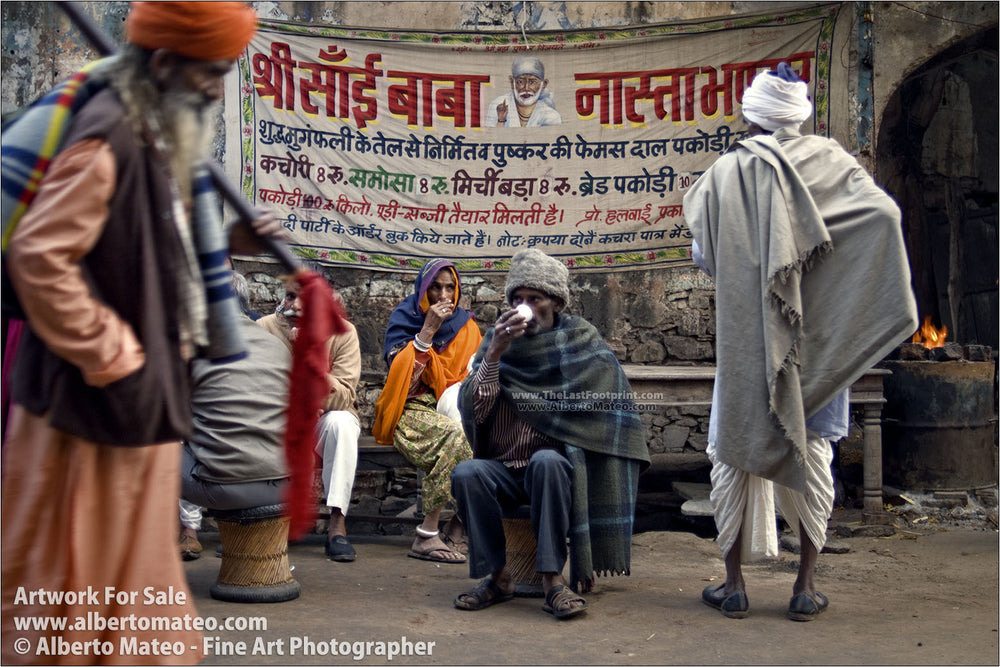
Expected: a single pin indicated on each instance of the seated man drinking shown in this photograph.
(539, 440)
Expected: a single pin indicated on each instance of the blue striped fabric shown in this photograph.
(225, 338)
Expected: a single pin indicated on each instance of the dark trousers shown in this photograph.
(485, 489)
(233, 496)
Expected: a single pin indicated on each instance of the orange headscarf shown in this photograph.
(202, 30)
(443, 369)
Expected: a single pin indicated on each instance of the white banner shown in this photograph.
(383, 149)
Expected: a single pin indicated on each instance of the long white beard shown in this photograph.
(176, 113)
(187, 133)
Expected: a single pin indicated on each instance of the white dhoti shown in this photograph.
(337, 443)
(744, 503)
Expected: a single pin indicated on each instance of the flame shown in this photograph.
(930, 336)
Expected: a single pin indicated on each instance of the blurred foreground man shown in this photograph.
(812, 288)
(105, 264)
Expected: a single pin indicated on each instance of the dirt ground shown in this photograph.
(927, 595)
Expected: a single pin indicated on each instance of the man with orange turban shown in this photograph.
(428, 344)
(105, 266)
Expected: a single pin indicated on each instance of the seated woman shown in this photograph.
(428, 344)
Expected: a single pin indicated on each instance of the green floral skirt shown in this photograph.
(433, 443)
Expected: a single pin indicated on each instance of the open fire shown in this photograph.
(930, 336)
(939, 423)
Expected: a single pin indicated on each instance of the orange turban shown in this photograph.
(202, 30)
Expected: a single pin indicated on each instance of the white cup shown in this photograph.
(524, 310)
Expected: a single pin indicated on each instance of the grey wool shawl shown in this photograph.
(812, 289)
(567, 384)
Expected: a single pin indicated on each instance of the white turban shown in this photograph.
(777, 99)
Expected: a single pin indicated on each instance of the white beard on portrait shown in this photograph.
(527, 99)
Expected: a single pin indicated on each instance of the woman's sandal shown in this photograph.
(485, 594)
(458, 546)
(436, 554)
(559, 602)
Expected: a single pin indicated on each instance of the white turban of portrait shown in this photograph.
(527, 65)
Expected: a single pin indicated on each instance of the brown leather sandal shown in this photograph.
(485, 594)
(559, 602)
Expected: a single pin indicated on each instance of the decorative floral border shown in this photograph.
(386, 262)
(450, 38)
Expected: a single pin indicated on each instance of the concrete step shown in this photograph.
(373, 456)
(697, 508)
(696, 497)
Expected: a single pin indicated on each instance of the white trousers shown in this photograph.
(337, 442)
(190, 515)
(744, 503)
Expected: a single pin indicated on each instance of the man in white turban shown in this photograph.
(528, 104)
(812, 288)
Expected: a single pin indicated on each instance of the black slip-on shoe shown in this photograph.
(805, 607)
(340, 550)
(733, 605)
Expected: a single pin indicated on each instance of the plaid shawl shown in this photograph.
(28, 151)
(30, 142)
(25, 155)
(567, 384)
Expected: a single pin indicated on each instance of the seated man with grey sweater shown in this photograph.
(235, 457)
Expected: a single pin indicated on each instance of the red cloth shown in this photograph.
(322, 316)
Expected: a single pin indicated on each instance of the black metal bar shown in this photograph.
(98, 39)
(246, 213)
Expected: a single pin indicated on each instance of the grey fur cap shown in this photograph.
(533, 268)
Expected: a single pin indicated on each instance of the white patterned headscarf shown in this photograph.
(777, 99)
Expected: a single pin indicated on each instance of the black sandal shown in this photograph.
(485, 594)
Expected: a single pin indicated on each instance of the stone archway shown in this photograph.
(937, 155)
